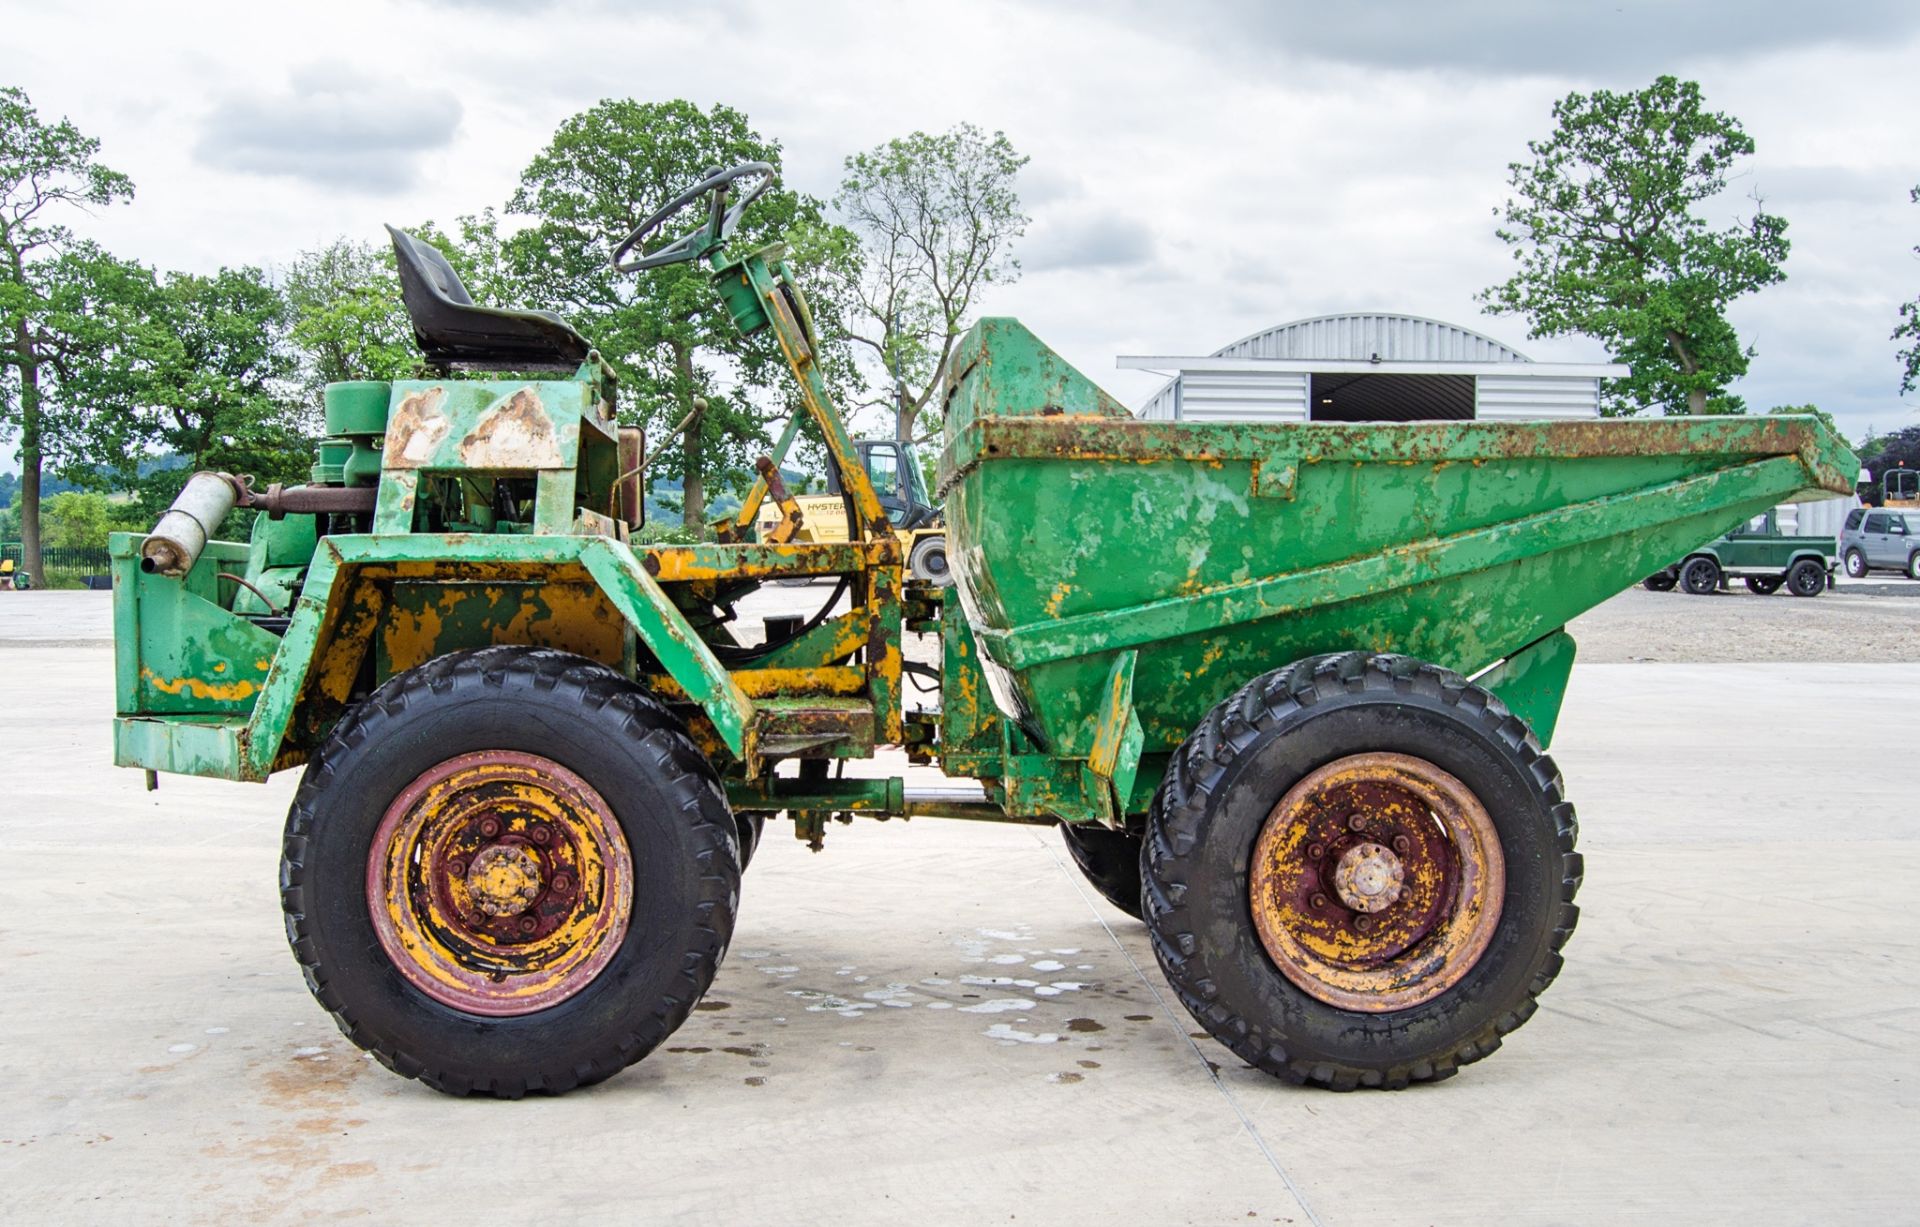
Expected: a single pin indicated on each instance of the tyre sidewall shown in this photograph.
(647, 981)
(1700, 567)
(1418, 725)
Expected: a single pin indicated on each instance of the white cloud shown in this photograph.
(1197, 173)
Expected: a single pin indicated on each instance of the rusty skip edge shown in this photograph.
(1094, 437)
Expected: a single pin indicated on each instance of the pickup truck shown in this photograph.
(1757, 552)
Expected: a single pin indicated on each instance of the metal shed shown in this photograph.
(1372, 367)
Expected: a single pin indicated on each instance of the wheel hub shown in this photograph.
(1369, 877)
(1376, 882)
(500, 883)
(504, 879)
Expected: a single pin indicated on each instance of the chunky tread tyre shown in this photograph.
(1109, 860)
(1659, 581)
(1218, 789)
(1764, 585)
(632, 750)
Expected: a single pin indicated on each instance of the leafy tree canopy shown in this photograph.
(48, 170)
(1909, 330)
(1604, 226)
(933, 221)
(666, 333)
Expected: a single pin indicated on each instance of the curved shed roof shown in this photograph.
(1358, 337)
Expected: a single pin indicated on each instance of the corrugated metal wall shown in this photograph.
(1239, 396)
(1821, 519)
(1276, 396)
(1520, 398)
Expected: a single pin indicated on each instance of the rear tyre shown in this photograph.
(1856, 564)
(1806, 578)
(1109, 860)
(509, 870)
(1764, 585)
(1700, 576)
(751, 824)
(1360, 871)
(1659, 581)
(929, 561)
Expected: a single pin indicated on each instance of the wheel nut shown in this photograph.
(490, 827)
(1319, 901)
(457, 868)
(1363, 923)
(1316, 851)
(527, 924)
(1357, 822)
(1402, 844)
(562, 884)
(541, 835)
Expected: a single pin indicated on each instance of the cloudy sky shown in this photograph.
(1199, 170)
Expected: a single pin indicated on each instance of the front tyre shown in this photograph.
(509, 870)
(1360, 872)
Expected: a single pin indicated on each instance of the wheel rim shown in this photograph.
(1376, 882)
(500, 883)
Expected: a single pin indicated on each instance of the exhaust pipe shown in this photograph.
(175, 543)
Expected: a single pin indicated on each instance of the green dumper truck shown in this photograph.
(1287, 688)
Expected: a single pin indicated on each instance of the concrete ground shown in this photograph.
(938, 1023)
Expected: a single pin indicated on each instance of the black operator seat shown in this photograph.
(454, 332)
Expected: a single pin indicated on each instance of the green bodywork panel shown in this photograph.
(1533, 681)
(1218, 551)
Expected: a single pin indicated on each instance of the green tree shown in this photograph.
(935, 218)
(345, 317)
(216, 385)
(1909, 330)
(1603, 224)
(666, 333)
(47, 170)
(81, 520)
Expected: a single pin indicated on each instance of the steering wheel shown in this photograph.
(720, 222)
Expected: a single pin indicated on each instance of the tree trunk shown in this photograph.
(30, 558)
(1696, 397)
(904, 413)
(693, 490)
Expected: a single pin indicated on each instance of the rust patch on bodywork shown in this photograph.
(514, 434)
(416, 429)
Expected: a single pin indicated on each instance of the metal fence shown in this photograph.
(87, 560)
